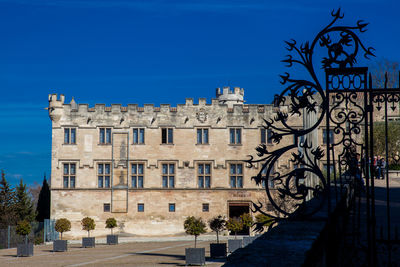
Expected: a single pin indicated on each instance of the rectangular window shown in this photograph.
(204, 175)
(105, 136)
(168, 175)
(236, 175)
(167, 136)
(325, 136)
(331, 167)
(138, 136)
(206, 207)
(140, 207)
(106, 207)
(70, 136)
(69, 175)
(171, 207)
(103, 175)
(202, 136)
(266, 135)
(235, 136)
(270, 178)
(137, 175)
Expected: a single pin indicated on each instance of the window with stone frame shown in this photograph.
(137, 175)
(202, 136)
(138, 136)
(325, 133)
(266, 135)
(140, 207)
(106, 207)
(236, 175)
(171, 207)
(167, 136)
(105, 136)
(235, 136)
(70, 136)
(103, 175)
(270, 178)
(206, 207)
(204, 175)
(168, 175)
(69, 175)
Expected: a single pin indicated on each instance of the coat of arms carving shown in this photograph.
(201, 115)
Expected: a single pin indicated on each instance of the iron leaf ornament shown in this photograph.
(288, 197)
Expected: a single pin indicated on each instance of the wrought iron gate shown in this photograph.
(343, 166)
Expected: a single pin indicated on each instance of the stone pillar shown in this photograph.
(309, 119)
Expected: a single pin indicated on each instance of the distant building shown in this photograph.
(150, 167)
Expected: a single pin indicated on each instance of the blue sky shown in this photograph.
(115, 51)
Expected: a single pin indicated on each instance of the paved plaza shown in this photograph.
(165, 253)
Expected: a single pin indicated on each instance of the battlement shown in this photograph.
(230, 97)
(56, 99)
(184, 115)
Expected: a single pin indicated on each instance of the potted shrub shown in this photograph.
(234, 225)
(88, 225)
(62, 225)
(112, 239)
(26, 249)
(217, 224)
(247, 222)
(263, 220)
(195, 226)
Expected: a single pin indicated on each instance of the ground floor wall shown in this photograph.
(157, 218)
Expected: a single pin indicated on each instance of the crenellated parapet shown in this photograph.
(229, 97)
(218, 114)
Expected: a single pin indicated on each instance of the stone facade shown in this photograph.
(142, 165)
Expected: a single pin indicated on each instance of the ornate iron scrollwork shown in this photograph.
(302, 97)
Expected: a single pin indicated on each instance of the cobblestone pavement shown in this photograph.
(171, 253)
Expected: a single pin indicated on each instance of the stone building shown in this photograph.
(151, 167)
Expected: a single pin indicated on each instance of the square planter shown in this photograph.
(247, 240)
(25, 250)
(218, 250)
(88, 242)
(195, 256)
(234, 244)
(112, 239)
(60, 245)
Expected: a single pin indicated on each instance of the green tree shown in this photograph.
(62, 225)
(217, 224)
(43, 204)
(234, 225)
(247, 220)
(7, 199)
(111, 223)
(88, 224)
(23, 204)
(194, 226)
(393, 139)
(265, 220)
(23, 228)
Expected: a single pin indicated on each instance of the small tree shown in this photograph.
(194, 226)
(23, 205)
(43, 203)
(62, 225)
(7, 200)
(217, 224)
(247, 220)
(111, 223)
(23, 229)
(264, 220)
(234, 225)
(88, 224)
